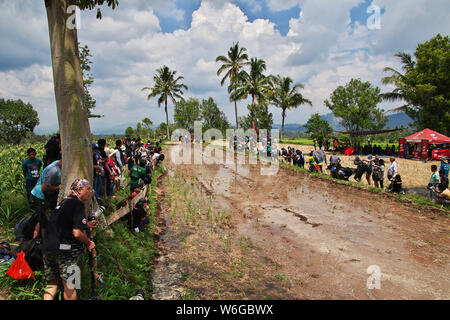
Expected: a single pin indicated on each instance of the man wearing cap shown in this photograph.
(63, 241)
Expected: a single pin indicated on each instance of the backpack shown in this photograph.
(24, 229)
(33, 252)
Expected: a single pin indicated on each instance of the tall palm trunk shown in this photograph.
(283, 115)
(69, 93)
(235, 112)
(167, 118)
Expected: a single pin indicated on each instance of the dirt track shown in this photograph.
(324, 236)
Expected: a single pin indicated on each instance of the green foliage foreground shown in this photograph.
(124, 261)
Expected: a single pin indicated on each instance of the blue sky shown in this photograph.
(320, 43)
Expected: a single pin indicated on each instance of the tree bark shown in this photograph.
(69, 93)
(167, 120)
(283, 115)
(235, 112)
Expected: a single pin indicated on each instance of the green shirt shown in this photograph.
(435, 178)
(136, 173)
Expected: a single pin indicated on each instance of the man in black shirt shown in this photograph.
(63, 240)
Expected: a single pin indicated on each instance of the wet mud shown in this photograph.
(326, 238)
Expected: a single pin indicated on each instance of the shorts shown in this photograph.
(57, 266)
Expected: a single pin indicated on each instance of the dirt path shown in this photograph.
(309, 238)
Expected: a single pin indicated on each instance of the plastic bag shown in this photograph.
(20, 269)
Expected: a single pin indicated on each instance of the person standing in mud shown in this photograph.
(378, 172)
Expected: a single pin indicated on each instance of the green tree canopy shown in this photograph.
(129, 131)
(286, 96)
(356, 105)
(16, 119)
(232, 64)
(254, 83)
(186, 113)
(259, 114)
(318, 128)
(425, 84)
(212, 117)
(166, 86)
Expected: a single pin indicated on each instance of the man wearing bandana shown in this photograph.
(64, 238)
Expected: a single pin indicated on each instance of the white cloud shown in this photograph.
(321, 50)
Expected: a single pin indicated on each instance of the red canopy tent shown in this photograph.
(421, 141)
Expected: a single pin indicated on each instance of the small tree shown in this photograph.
(318, 128)
(212, 117)
(129, 131)
(356, 105)
(259, 114)
(147, 124)
(186, 113)
(16, 120)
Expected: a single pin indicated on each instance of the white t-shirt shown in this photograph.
(393, 169)
(155, 156)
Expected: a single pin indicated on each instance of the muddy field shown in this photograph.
(228, 232)
(415, 174)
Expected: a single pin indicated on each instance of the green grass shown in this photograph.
(306, 142)
(124, 260)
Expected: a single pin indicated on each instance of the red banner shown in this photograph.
(440, 153)
(424, 149)
(401, 147)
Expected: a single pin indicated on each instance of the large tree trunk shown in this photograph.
(283, 115)
(69, 93)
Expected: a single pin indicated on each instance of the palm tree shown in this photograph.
(166, 86)
(232, 63)
(255, 83)
(286, 96)
(398, 79)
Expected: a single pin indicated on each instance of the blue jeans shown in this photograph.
(29, 185)
(110, 190)
(142, 224)
(98, 186)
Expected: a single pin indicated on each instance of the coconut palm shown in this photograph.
(232, 63)
(398, 79)
(166, 86)
(254, 84)
(286, 96)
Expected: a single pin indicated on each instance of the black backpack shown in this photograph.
(24, 229)
(33, 253)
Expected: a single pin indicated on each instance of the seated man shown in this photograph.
(440, 187)
(334, 160)
(140, 215)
